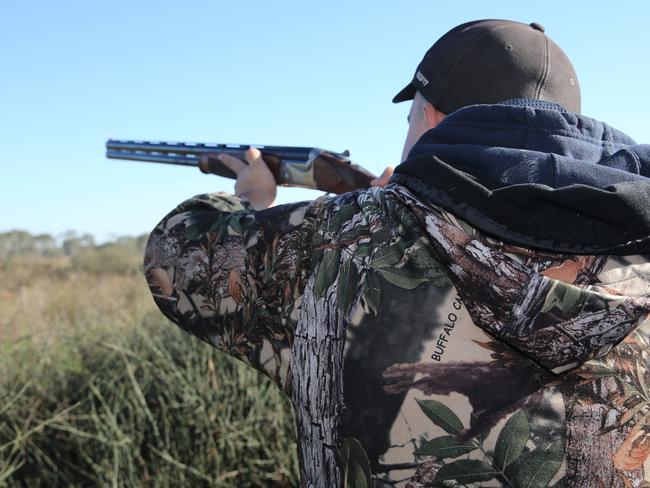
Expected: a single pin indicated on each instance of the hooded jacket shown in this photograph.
(481, 321)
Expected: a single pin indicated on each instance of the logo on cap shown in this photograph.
(421, 78)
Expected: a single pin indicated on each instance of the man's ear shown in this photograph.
(432, 116)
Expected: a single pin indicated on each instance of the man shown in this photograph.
(479, 321)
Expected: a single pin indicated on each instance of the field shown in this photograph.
(97, 389)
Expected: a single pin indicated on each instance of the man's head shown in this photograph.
(488, 61)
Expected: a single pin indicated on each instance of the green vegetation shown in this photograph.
(98, 389)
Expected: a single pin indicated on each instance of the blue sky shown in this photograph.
(292, 73)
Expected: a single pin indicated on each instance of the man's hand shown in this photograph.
(382, 180)
(255, 181)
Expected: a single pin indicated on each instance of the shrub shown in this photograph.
(98, 389)
(153, 407)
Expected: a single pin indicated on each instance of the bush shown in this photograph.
(97, 389)
(151, 407)
(110, 258)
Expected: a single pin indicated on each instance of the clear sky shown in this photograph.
(299, 73)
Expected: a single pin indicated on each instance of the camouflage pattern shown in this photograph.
(466, 361)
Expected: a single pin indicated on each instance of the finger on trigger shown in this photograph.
(232, 162)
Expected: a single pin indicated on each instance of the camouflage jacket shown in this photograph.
(417, 351)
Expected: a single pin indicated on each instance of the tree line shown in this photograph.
(81, 251)
(20, 243)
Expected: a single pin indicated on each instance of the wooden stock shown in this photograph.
(335, 177)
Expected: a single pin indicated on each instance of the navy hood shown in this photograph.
(530, 173)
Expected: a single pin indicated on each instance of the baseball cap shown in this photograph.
(489, 61)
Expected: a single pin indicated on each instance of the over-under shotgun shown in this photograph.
(306, 167)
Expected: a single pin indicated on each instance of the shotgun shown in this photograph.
(305, 167)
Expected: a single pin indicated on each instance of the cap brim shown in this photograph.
(408, 93)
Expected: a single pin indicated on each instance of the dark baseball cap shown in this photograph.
(489, 61)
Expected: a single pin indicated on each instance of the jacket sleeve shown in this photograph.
(232, 276)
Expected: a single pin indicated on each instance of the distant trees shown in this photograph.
(19, 242)
(73, 244)
(122, 254)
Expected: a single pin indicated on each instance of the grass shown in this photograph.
(97, 389)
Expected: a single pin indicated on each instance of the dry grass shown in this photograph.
(45, 299)
(97, 389)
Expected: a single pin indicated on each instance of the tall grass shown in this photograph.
(97, 389)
